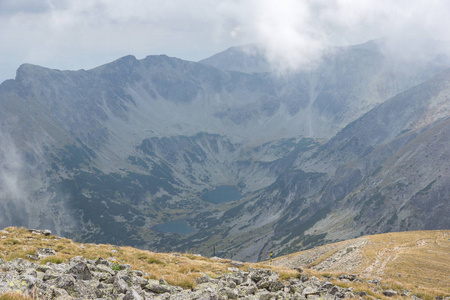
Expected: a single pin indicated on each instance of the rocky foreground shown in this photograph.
(81, 278)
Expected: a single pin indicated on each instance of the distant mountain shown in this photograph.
(134, 149)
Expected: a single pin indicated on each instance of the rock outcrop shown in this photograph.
(81, 278)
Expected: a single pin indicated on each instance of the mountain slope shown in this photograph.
(377, 261)
(407, 258)
(387, 171)
(114, 153)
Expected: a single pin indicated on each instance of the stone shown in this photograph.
(203, 279)
(231, 293)
(101, 261)
(309, 291)
(119, 285)
(157, 288)
(125, 267)
(132, 295)
(374, 281)
(81, 271)
(389, 293)
(334, 290)
(344, 277)
(263, 295)
(304, 278)
(87, 279)
(45, 232)
(326, 285)
(43, 252)
(32, 257)
(65, 282)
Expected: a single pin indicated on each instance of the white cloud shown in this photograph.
(82, 34)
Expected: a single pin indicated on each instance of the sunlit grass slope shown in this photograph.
(417, 260)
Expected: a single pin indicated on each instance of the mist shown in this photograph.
(293, 35)
(13, 190)
(27, 197)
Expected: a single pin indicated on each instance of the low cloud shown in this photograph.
(26, 198)
(295, 34)
(72, 34)
(13, 191)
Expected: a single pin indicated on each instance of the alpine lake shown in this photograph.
(221, 194)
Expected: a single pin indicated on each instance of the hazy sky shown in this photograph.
(76, 34)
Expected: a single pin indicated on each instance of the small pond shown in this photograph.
(177, 226)
(222, 194)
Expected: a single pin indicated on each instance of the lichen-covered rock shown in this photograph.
(80, 271)
(88, 279)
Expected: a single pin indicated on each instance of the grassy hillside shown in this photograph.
(422, 259)
(417, 261)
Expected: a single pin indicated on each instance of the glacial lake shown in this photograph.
(177, 226)
(222, 194)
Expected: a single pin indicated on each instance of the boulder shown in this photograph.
(390, 293)
(81, 271)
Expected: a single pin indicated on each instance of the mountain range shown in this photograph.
(172, 155)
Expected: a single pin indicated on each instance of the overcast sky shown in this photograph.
(82, 34)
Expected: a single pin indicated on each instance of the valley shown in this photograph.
(171, 155)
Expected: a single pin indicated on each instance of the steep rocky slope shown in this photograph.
(387, 171)
(114, 153)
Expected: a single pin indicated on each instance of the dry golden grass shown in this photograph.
(177, 269)
(14, 296)
(417, 261)
(424, 266)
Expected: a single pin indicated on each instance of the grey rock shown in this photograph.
(125, 267)
(43, 252)
(231, 293)
(304, 278)
(65, 282)
(119, 285)
(45, 232)
(309, 291)
(374, 281)
(132, 295)
(390, 293)
(101, 261)
(271, 286)
(264, 295)
(81, 271)
(334, 290)
(347, 277)
(157, 288)
(326, 285)
(203, 279)
(83, 279)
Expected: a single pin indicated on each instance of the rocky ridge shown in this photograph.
(81, 278)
